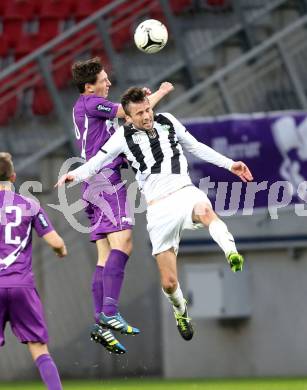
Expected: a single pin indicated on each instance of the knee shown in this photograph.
(204, 213)
(124, 245)
(127, 246)
(169, 283)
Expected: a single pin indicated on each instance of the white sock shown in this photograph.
(176, 299)
(220, 234)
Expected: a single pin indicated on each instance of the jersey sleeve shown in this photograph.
(41, 223)
(102, 108)
(109, 151)
(200, 150)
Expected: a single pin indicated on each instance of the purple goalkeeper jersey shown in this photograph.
(95, 121)
(18, 216)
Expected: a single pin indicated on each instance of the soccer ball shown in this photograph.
(150, 36)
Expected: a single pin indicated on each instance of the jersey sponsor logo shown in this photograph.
(152, 134)
(166, 127)
(42, 220)
(126, 219)
(103, 108)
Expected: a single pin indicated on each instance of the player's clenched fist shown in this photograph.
(166, 87)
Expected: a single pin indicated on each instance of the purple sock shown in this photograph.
(97, 290)
(113, 277)
(49, 372)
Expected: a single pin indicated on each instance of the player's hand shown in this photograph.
(166, 87)
(240, 169)
(67, 178)
(61, 252)
(147, 91)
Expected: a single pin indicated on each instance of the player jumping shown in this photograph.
(154, 147)
(96, 119)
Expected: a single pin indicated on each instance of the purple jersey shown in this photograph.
(18, 216)
(95, 121)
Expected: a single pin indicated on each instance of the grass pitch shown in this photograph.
(155, 384)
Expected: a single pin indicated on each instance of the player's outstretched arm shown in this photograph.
(208, 154)
(56, 242)
(112, 148)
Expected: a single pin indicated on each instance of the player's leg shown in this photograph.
(4, 312)
(29, 326)
(167, 264)
(45, 364)
(98, 334)
(218, 230)
(103, 251)
(114, 271)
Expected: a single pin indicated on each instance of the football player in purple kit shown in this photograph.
(19, 301)
(96, 119)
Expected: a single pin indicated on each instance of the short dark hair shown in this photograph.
(84, 72)
(132, 95)
(6, 166)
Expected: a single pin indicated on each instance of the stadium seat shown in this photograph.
(27, 44)
(7, 109)
(179, 5)
(19, 9)
(49, 27)
(217, 4)
(87, 7)
(12, 106)
(12, 31)
(4, 47)
(57, 9)
(4, 115)
(42, 103)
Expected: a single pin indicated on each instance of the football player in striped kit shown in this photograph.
(95, 120)
(154, 147)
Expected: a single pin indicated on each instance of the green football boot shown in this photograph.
(184, 324)
(235, 261)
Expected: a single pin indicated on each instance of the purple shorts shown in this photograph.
(107, 204)
(22, 307)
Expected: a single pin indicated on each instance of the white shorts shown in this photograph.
(169, 216)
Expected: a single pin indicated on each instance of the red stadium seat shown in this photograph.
(42, 103)
(19, 9)
(179, 5)
(85, 8)
(58, 9)
(49, 27)
(12, 31)
(4, 115)
(217, 4)
(27, 44)
(4, 47)
(12, 106)
(8, 109)
(62, 75)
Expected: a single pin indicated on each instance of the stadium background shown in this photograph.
(223, 57)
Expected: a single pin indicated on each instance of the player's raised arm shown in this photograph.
(164, 89)
(112, 148)
(204, 152)
(154, 98)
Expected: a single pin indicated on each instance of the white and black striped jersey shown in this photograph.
(156, 157)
